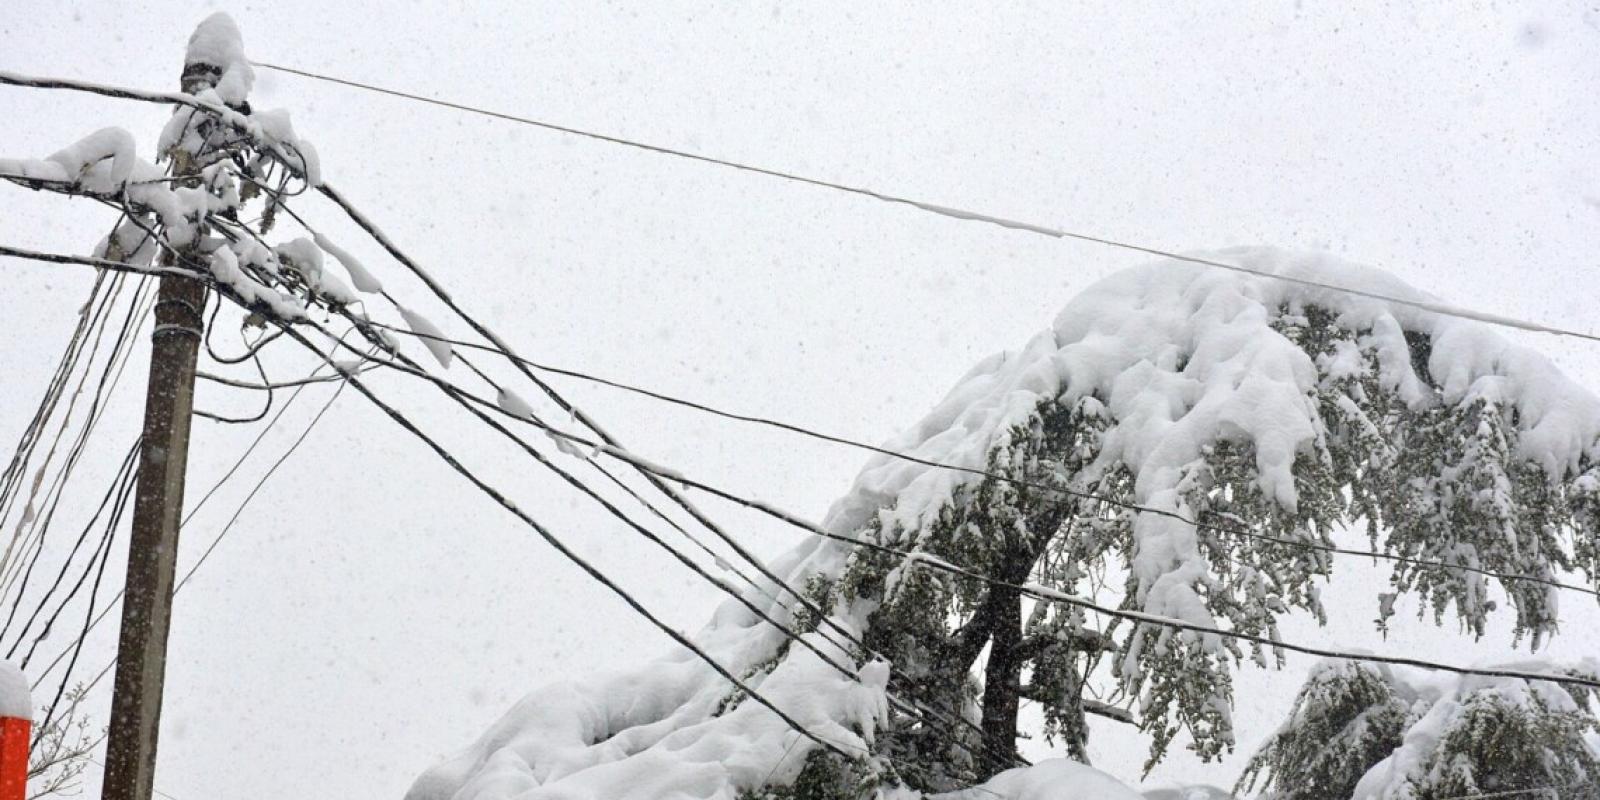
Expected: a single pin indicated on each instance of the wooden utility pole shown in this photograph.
(158, 507)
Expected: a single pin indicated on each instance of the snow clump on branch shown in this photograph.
(1238, 400)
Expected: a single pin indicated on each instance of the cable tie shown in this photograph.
(165, 328)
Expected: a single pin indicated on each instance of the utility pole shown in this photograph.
(158, 507)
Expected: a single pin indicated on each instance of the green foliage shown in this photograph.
(1462, 497)
(1347, 717)
(1501, 741)
(825, 776)
(1434, 478)
(1352, 722)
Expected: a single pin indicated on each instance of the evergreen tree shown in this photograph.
(1182, 443)
(1361, 732)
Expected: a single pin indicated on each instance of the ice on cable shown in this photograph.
(514, 405)
(430, 335)
(363, 280)
(304, 258)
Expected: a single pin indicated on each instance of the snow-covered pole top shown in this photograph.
(215, 60)
(16, 701)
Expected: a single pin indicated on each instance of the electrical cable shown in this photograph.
(983, 473)
(583, 564)
(922, 559)
(952, 212)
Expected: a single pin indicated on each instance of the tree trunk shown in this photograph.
(1002, 688)
(1002, 680)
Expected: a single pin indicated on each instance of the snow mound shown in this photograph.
(1199, 792)
(1056, 779)
(1180, 356)
(216, 43)
(654, 732)
(16, 701)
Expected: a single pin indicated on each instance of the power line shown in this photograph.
(915, 559)
(502, 349)
(957, 213)
(550, 538)
(543, 532)
(238, 122)
(1047, 595)
(979, 472)
(821, 615)
(651, 470)
(1037, 592)
(577, 413)
(190, 514)
(118, 489)
(238, 511)
(241, 123)
(412, 367)
(654, 478)
(110, 376)
(1040, 593)
(90, 317)
(949, 211)
(261, 482)
(98, 263)
(1050, 595)
(659, 479)
(31, 434)
(94, 592)
(458, 396)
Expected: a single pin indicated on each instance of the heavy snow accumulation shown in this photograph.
(16, 701)
(1439, 703)
(216, 41)
(1180, 356)
(106, 165)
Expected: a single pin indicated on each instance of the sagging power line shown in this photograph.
(500, 349)
(1039, 593)
(1442, 309)
(948, 211)
(988, 474)
(663, 479)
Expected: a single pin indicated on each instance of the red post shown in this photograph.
(16, 725)
(14, 734)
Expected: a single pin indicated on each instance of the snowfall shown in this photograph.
(1181, 355)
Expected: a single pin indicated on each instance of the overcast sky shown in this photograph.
(371, 613)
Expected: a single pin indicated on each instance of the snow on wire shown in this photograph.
(311, 169)
(423, 329)
(922, 559)
(975, 471)
(948, 211)
(1557, 447)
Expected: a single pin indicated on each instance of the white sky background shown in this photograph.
(372, 612)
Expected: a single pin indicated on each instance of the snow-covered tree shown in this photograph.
(1169, 446)
(1369, 733)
